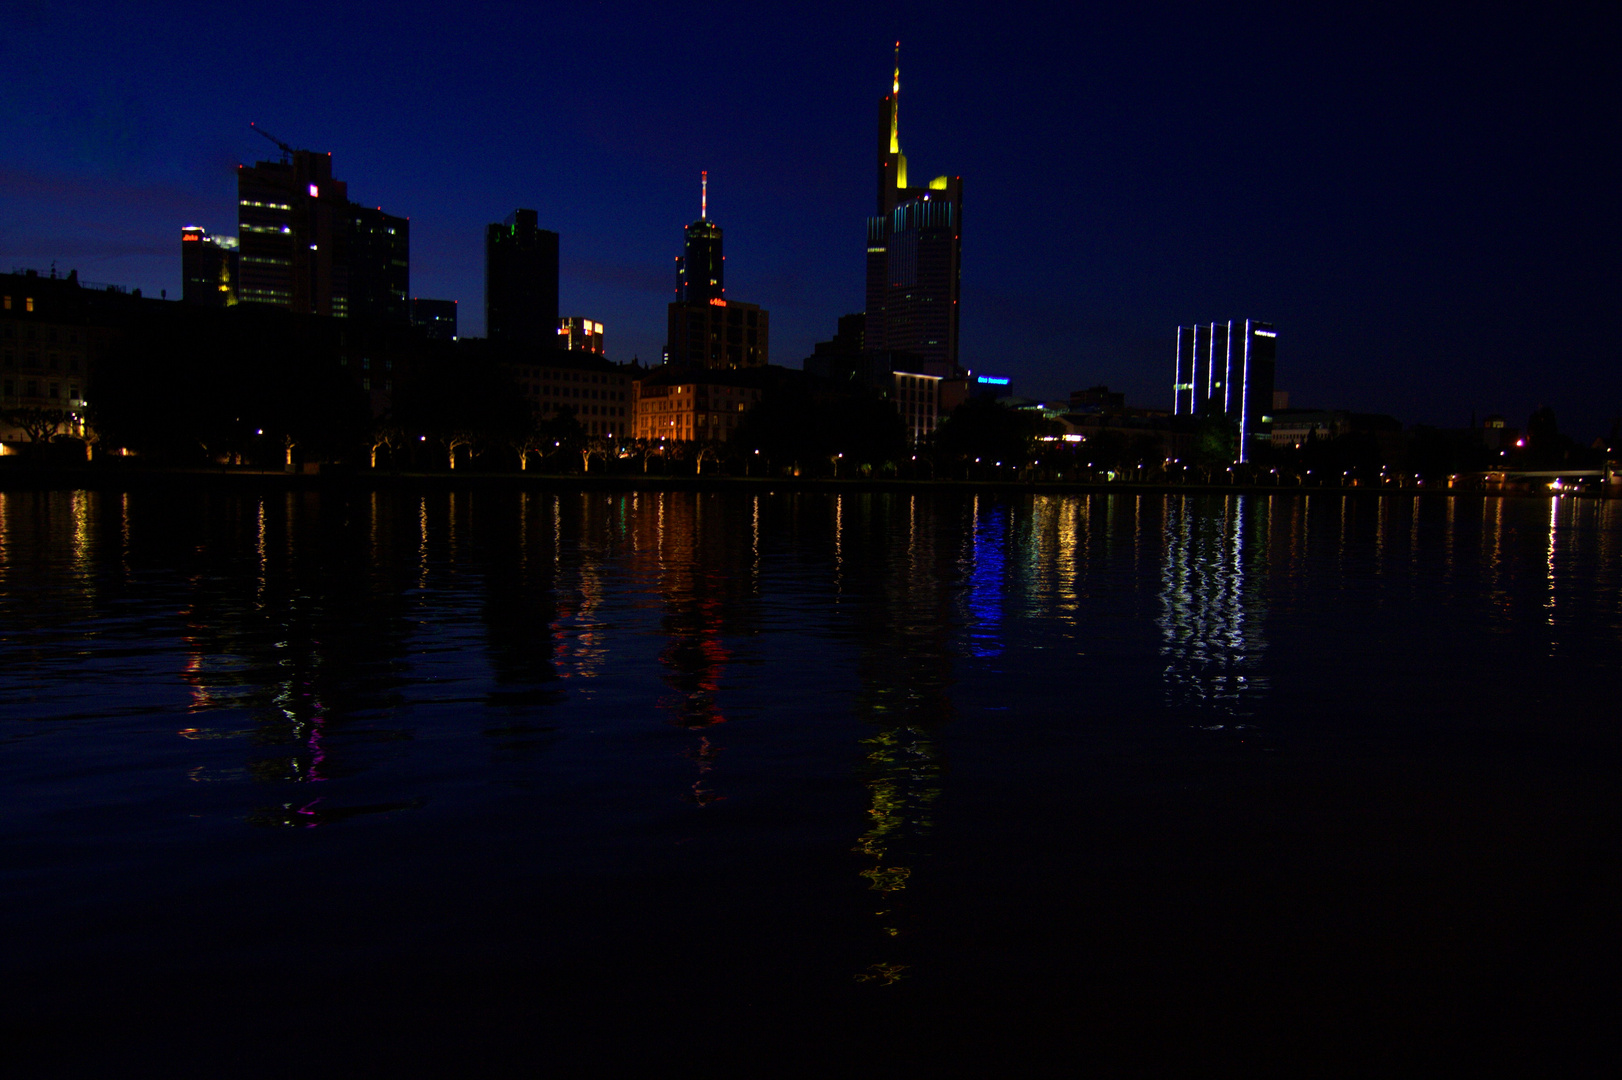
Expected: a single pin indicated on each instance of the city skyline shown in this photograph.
(1426, 221)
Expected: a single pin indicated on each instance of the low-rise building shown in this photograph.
(693, 404)
(600, 394)
(53, 334)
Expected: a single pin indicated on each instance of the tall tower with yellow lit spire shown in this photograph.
(913, 255)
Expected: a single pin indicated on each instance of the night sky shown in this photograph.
(1426, 205)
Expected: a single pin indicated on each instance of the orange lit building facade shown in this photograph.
(690, 407)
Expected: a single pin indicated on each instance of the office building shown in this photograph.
(208, 268)
(1228, 368)
(704, 328)
(435, 318)
(290, 216)
(718, 334)
(377, 254)
(599, 394)
(913, 255)
(918, 399)
(577, 334)
(304, 246)
(521, 282)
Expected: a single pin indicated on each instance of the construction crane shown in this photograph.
(286, 150)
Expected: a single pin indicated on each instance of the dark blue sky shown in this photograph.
(1425, 204)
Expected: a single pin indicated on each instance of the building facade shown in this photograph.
(599, 394)
(208, 268)
(914, 255)
(521, 282)
(1228, 368)
(718, 334)
(918, 400)
(692, 406)
(54, 332)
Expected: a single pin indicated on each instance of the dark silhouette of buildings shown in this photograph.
(208, 268)
(1228, 368)
(54, 332)
(435, 318)
(378, 258)
(913, 255)
(521, 282)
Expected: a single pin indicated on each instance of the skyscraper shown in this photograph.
(913, 254)
(208, 268)
(521, 282)
(303, 245)
(377, 254)
(1228, 368)
(704, 328)
(291, 216)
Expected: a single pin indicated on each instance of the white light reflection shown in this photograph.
(1549, 605)
(1210, 618)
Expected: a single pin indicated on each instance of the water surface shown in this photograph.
(540, 780)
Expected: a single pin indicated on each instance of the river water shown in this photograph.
(512, 783)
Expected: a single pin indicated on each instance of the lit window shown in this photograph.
(29, 303)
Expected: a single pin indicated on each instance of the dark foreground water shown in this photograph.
(505, 784)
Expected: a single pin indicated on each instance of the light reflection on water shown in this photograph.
(615, 687)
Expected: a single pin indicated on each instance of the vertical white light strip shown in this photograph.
(1177, 377)
(1244, 403)
(1210, 358)
(1227, 366)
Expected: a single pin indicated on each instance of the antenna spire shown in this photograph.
(895, 104)
(704, 194)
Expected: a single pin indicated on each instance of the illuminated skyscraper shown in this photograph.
(701, 267)
(1228, 368)
(521, 282)
(291, 216)
(913, 254)
(305, 246)
(704, 328)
